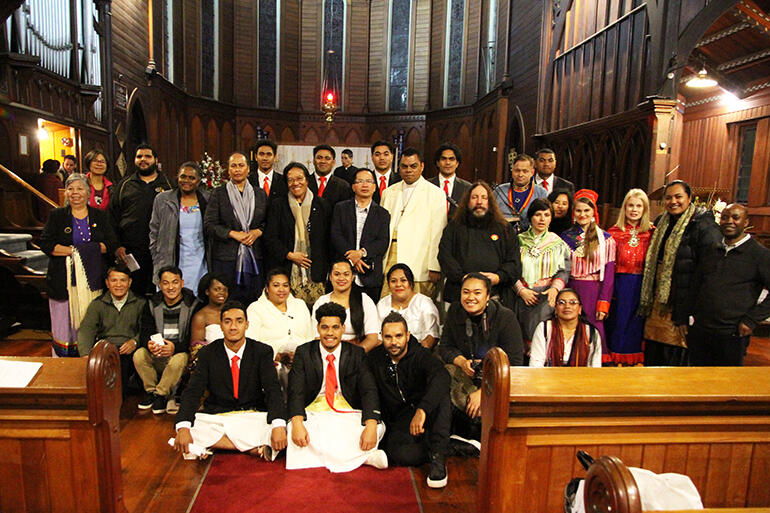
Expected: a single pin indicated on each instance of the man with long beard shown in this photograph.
(479, 239)
(131, 209)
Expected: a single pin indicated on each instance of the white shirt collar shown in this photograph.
(239, 354)
(262, 176)
(728, 247)
(549, 180)
(443, 179)
(385, 174)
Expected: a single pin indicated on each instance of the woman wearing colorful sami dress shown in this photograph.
(545, 266)
(176, 227)
(76, 238)
(567, 340)
(682, 234)
(593, 262)
(632, 235)
(95, 162)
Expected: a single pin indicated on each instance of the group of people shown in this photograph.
(251, 288)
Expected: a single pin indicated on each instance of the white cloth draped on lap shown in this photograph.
(245, 429)
(213, 332)
(334, 442)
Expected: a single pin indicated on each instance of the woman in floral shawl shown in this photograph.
(682, 235)
(545, 267)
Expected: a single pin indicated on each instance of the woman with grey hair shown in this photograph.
(77, 239)
(176, 227)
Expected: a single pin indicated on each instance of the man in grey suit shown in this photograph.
(447, 159)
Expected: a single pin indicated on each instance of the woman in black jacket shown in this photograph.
(297, 235)
(77, 239)
(682, 235)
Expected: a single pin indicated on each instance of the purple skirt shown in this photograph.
(624, 327)
(589, 295)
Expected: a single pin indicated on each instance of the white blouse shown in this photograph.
(371, 318)
(421, 315)
(283, 331)
(539, 353)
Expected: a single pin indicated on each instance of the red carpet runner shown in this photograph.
(241, 483)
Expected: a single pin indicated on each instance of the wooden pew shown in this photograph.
(60, 437)
(712, 424)
(611, 488)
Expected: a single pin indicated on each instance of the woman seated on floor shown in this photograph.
(362, 323)
(566, 339)
(417, 309)
(213, 291)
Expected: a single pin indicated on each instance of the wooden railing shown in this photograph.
(19, 180)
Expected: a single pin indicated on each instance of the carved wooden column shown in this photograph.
(666, 137)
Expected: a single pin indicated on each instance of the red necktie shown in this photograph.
(266, 187)
(383, 185)
(545, 185)
(236, 374)
(322, 186)
(331, 381)
(446, 191)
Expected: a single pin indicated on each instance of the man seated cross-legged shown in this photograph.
(414, 394)
(332, 394)
(244, 410)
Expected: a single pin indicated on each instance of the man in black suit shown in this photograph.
(238, 374)
(447, 159)
(359, 232)
(347, 171)
(385, 176)
(264, 176)
(323, 183)
(545, 165)
(331, 394)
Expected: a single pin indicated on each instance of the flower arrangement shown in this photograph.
(713, 203)
(213, 173)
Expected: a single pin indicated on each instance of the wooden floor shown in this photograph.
(156, 479)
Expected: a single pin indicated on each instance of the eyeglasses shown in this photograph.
(370, 182)
(295, 180)
(571, 302)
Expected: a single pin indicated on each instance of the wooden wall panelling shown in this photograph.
(226, 48)
(226, 142)
(597, 77)
(311, 41)
(288, 97)
(437, 52)
(196, 147)
(130, 42)
(525, 62)
(624, 62)
(638, 58)
(420, 72)
(471, 64)
(611, 76)
(192, 47)
(179, 38)
(212, 139)
(378, 56)
(356, 62)
(244, 45)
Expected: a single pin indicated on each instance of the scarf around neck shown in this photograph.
(243, 208)
(301, 213)
(669, 257)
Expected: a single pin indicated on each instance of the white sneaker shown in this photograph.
(171, 406)
(377, 459)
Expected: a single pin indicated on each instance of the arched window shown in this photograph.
(209, 46)
(398, 67)
(455, 37)
(268, 33)
(334, 46)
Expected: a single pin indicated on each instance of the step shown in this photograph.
(14, 242)
(35, 259)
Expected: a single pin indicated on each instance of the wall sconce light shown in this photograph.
(329, 107)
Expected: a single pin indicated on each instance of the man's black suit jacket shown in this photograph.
(375, 236)
(278, 187)
(336, 189)
(258, 387)
(457, 191)
(394, 178)
(348, 174)
(561, 183)
(356, 381)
